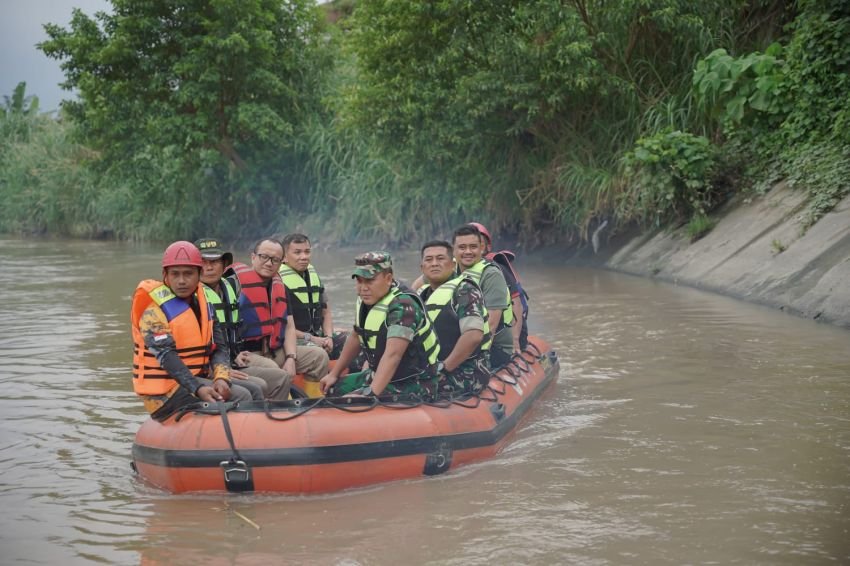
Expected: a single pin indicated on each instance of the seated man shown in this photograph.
(519, 298)
(267, 329)
(177, 342)
(468, 249)
(307, 298)
(456, 308)
(274, 383)
(391, 327)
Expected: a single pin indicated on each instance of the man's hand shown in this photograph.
(222, 388)
(328, 344)
(241, 359)
(327, 382)
(208, 394)
(238, 374)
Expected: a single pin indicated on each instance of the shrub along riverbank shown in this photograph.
(396, 121)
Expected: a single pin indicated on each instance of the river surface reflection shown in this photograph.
(685, 428)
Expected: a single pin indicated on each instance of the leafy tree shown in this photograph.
(525, 107)
(190, 100)
(787, 109)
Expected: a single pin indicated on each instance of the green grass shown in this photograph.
(698, 226)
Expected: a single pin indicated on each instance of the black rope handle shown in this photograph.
(235, 457)
(349, 408)
(307, 408)
(521, 363)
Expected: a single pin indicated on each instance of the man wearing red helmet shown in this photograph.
(178, 345)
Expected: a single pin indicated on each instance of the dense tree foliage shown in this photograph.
(194, 104)
(402, 119)
(520, 111)
(787, 110)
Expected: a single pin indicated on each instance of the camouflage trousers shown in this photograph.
(469, 377)
(428, 387)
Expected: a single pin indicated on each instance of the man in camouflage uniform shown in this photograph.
(393, 330)
(456, 308)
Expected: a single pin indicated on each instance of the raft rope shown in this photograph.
(509, 375)
(237, 473)
(306, 407)
(235, 457)
(203, 408)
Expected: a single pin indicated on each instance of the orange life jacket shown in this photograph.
(194, 341)
(258, 318)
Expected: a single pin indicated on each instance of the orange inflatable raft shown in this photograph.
(328, 444)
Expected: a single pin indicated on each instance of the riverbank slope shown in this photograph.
(756, 252)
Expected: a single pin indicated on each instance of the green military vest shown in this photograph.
(306, 306)
(445, 320)
(422, 352)
(226, 311)
(475, 272)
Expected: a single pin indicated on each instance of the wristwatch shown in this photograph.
(308, 337)
(293, 356)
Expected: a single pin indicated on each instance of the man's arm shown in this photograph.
(516, 329)
(220, 360)
(160, 342)
(495, 291)
(327, 323)
(327, 317)
(404, 318)
(464, 347)
(516, 304)
(349, 351)
(289, 345)
(468, 304)
(495, 318)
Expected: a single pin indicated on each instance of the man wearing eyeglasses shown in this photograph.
(264, 374)
(267, 328)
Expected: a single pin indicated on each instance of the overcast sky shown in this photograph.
(20, 29)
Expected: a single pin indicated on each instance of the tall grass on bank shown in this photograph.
(44, 186)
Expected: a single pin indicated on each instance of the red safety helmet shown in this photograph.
(182, 253)
(484, 231)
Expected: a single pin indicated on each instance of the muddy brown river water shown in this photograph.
(685, 428)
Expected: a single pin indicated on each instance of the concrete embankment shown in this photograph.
(756, 252)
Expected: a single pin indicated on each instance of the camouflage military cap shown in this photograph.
(211, 249)
(371, 264)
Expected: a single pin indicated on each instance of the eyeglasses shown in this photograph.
(266, 258)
